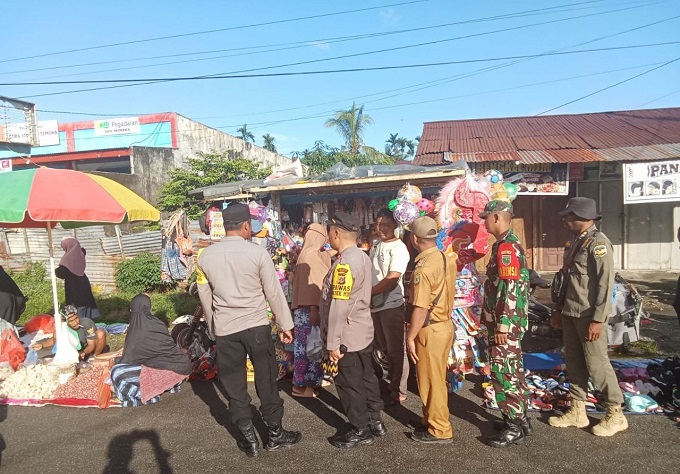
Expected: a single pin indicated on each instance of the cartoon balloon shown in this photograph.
(511, 189)
(410, 192)
(426, 205)
(392, 204)
(406, 212)
(501, 196)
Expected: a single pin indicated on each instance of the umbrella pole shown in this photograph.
(53, 278)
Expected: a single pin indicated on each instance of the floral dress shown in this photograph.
(307, 372)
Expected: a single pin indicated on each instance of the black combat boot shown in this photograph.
(511, 435)
(353, 438)
(279, 438)
(377, 426)
(249, 444)
(525, 423)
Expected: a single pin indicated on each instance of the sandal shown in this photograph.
(308, 392)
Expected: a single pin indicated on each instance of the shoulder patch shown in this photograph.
(200, 276)
(600, 249)
(416, 278)
(508, 261)
(343, 281)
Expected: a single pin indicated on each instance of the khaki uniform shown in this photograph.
(433, 343)
(588, 299)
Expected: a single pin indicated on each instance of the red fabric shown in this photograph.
(153, 382)
(508, 262)
(42, 321)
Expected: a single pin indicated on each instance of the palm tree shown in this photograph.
(351, 124)
(245, 135)
(269, 142)
(391, 144)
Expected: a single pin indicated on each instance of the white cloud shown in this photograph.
(320, 45)
(389, 17)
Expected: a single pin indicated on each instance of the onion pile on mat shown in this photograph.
(36, 382)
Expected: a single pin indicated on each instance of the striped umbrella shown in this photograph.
(43, 197)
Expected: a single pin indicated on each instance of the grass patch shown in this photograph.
(644, 348)
(114, 308)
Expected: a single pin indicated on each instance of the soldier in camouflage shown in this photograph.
(506, 299)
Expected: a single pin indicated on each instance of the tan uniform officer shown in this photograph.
(583, 315)
(430, 332)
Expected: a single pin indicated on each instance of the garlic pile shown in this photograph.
(34, 382)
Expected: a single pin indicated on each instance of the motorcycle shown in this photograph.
(538, 313)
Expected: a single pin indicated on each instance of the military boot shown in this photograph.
(525, 424)
(574, 416)
(249, 444)
(280, 438)
(613, 422)
(512, 434)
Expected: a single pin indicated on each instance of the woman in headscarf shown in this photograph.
(313, 264)
(77, 287)
(12, 300)
(151, 363)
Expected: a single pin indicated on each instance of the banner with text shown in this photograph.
(541, 178)
(48, 133)
(5, 166)
(655, 181)
(117, 126)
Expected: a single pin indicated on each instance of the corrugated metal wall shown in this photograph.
(23, 246)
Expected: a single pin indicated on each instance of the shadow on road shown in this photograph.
(121, 450)
(3, 417)
(473, 413)
(326, 411)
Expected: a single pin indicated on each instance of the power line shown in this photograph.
(334, 71)
(248, 50)
(131, 83)
(611, 86)
(231, 28)
(659, 98)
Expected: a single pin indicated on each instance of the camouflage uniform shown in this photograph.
(506, 299)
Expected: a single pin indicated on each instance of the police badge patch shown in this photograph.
(600, 249)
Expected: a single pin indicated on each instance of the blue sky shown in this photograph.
(294, 108)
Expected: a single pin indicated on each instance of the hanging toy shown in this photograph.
(410, 192)
(405, 212)
(426, 206)
(511, 190)
(494, 176)
(392, 204)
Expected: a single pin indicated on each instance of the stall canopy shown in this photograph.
(340, 177)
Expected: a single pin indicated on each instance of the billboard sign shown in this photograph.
(117, 126)
(654, 181)
(48, 133)
(531, 179)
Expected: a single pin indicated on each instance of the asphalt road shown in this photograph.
(190, 432)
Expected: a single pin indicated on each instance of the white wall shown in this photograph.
(651, 242)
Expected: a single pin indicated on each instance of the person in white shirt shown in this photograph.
(390, 257)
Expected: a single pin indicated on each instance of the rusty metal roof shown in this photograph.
(629, 135)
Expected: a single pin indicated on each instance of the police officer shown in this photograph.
(430, 331)
(583, 316)
(347, 328)
(235, 280)
(506, 296)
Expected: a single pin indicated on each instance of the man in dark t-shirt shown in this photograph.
(92, 340)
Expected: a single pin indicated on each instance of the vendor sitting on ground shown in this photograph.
(151, 363)
(92, 340)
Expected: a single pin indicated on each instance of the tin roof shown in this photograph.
(628, 135)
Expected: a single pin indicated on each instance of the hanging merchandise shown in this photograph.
(405, 212)
(216, 225)
(410, 192)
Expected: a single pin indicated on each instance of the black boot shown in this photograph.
(525, 423)
(353, 438)
(511, 435)
(377, 426)
(249, 444)
(280, 438)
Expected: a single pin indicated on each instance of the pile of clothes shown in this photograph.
(651, 386)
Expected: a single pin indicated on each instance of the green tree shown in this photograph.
(350, 124)
(269, 142)
(322, 156)
(245, 135)
(205, 170)
(400, 148)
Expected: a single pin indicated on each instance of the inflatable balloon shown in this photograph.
(422, 213)
(426, 205)
(501, 196)
(392, 204)
(494, 176)
(406, 212)
(511, 190)
(410, 192)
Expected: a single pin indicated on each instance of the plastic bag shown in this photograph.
(314, 344)
(11, 349)
(42, 321)
(103, 391)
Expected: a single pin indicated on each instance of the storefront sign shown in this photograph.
(48, 133)
(656, 181)
(541, 178)
(5, 166)
(117, 126)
